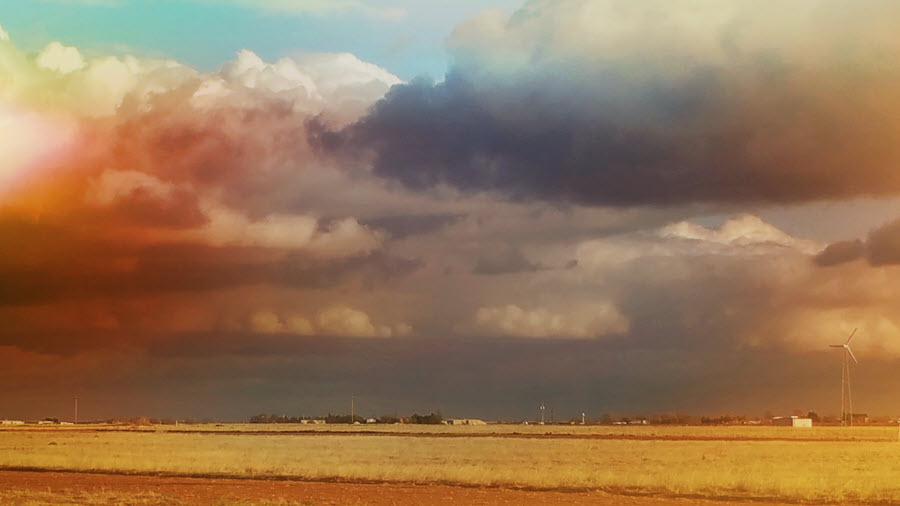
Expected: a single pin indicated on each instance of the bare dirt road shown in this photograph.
(28, 487)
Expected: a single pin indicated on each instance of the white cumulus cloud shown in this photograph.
(60, 58)
(337, 320)
(514, 321)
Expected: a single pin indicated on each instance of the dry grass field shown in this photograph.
(823, 464)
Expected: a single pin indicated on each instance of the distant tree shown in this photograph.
(813, 416)
(344, 419)
(432, 419)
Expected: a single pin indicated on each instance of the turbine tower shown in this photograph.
(846, 400)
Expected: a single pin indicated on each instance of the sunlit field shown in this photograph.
(828, 464)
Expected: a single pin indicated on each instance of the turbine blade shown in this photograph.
(851, 336)
(851, 353)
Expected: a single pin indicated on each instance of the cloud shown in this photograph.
(342, 238)
(514, 321)
(508, 261)
(881, 248)
(744, 230)
(349, 322)
(161, 181)
(267, 322)
(4, 35)
(400, 225)
(709, 293)
(60, 58)
(33, 140)
(840, 252)
(600, 103)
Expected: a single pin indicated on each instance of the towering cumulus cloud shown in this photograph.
(656, 102)
(127, 183)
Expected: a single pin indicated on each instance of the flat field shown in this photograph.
(820, 465)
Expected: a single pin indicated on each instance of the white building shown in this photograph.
(792, 421)
(466, 421)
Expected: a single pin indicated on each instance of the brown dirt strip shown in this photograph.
(501, 435)
(183, 490)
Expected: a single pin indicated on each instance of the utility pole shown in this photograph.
(582, 418)
(352, 408)
(76, 409)
(542, 412)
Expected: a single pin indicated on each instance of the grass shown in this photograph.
(836, 465)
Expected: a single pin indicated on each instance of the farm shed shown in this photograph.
(466, 421)
(792, 421)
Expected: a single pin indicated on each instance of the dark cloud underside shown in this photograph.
(750, 120)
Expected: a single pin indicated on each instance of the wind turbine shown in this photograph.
(846, 400)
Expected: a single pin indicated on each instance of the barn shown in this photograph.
(792, 421)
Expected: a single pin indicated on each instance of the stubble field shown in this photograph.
(818, 465)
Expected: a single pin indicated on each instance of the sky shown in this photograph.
(213, 209)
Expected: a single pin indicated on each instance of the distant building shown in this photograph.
(637, 422)
(859, 418)
(791, 421)
(312, 422)
(466, 421)
(371, 420)
(12, 422)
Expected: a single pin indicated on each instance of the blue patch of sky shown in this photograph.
(206, 34)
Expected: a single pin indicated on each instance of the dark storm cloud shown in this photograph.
(401, 226)
(882, 247)
(840, 252)
(662, 121)
(508, 261)
(34, 272)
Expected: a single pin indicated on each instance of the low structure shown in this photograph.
(791, 421)
(12, 422)
(466, 421)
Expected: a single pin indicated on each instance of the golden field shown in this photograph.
(822, 464)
